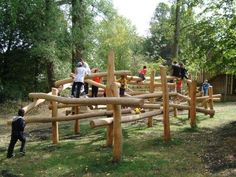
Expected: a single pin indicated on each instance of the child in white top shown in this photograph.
(80, 73)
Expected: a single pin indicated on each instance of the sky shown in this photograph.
(139, 12)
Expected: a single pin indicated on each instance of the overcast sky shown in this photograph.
(139, 12)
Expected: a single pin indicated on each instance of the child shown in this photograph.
(80, 73)
(17, 133)
(123, 81)
(142, 73)
(179, 84)
(88, 72)
(98, 80)
(205, 87)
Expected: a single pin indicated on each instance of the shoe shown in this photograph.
(22, 153)
(10, 156)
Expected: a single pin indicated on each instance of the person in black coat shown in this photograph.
(175, 69)
(18, 125)
(183, 71)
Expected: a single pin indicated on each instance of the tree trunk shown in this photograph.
(78, 9)
(50, 74)
(177, 31)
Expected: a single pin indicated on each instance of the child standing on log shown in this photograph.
(88, 72)
(80, 73)
(17, 133)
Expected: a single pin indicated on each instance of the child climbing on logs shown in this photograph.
(78, 83)
(123, 82)
(142, 73)
(98, 80)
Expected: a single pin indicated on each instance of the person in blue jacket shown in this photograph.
(205, 87)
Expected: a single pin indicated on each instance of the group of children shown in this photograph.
(79, 87)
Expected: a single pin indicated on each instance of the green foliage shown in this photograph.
(207, 35)
(115, 34)
(32, 35)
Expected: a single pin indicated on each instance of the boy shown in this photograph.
(18, 125)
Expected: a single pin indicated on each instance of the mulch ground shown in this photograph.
(220, 154)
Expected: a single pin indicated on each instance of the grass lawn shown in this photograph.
(208, 150)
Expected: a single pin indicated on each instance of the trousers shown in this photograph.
(15, 136)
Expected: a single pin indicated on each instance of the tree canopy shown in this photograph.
(41, 40)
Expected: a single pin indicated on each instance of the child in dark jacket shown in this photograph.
(17, 133)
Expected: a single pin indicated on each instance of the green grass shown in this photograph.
(144, 152)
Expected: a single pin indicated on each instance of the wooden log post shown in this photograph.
(117, 130)
(152, 100)
(189, 88)
(55, 132)
(77, 121)
(166, 120)
(192, 112)
(210, 91)
(110, 79)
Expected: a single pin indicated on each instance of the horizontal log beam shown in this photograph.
(201, 110)
(153, 95)
(147, 84)
(34, 104)
(206, 111)
(91, 82)
(90, 101)
(100, 74)
(71, 117)
(124, 119)
(184, 97)
(207, 97)
(151, 106)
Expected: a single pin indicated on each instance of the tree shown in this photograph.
(28, 45)
(116, 34)
(159, 43)
(177, 30)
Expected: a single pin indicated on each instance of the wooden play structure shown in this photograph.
(156, 96)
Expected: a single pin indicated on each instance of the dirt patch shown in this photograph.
(220, 153)
(40, 134)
